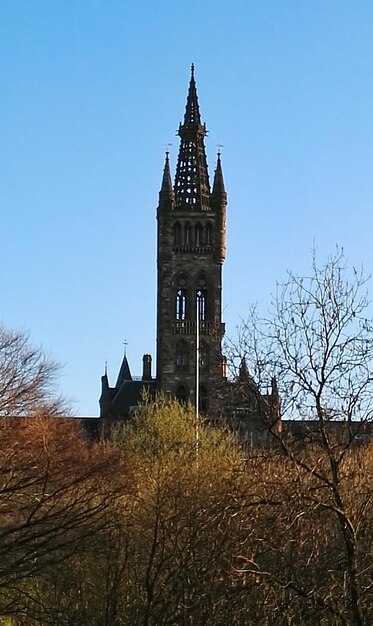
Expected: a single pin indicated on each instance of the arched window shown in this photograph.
(182, 394)
(203, 399)
(187, 234)
(181, 304)
(198, 234)
(177, 234)
(202, 304)
(182, 356)
(203, 298)
(204, 355)
(208, 234)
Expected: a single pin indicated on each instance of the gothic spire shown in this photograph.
(218, 188)
(166, 187)
(166, 194)
(124, 373)
(192, 187)
(192, 115)
(219, 204)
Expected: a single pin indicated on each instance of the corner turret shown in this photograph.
(166, 194)
(219, 205)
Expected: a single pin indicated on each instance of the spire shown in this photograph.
(218, 188)
(104, 382)
(166, 187)
(219, 204)
(244, 375)
(243, 371)
(166, 194)
(124, 373)
(192, 187)
(192, 115)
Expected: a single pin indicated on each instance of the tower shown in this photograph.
(191, 252)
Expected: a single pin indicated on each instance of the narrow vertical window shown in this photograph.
(201, 297)
(203, 399)
(180, 304)
(199, 234)
(182, 356)
(208, 234)
(177, 234)
(204, 354)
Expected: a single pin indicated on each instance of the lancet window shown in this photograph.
(204, 355)
(198, 234)
(177, 234)
(187, 234)
(203, 399)
(181, 304)
(182, 356)
(202, 304)
(208, 234)
(181, 297)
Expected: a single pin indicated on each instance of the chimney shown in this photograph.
(147, 367)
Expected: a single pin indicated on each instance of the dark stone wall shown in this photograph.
(188, 263)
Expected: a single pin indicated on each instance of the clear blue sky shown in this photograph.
(91, 91)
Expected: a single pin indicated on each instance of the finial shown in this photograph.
(192, 70)
(106, 367)
(219, 147)
(167, 152)
(125, 343)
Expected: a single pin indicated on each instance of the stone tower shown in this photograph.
(191, 252)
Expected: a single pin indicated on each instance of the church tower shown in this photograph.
(191, 251)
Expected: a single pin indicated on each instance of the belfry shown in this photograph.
(191, 248)
(191, 252)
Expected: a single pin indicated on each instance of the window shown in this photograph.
(208, 234)
(181, 302)
(177, 234)
(182, 394)
(203, 399)
(204, 355)
(201, 299)
(182, 356)
(187, 234)
(199, 234)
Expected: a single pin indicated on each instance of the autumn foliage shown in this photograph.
(145, 529)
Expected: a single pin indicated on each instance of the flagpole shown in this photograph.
(197, 373)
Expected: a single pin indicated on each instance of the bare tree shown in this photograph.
(55, 494)
(27, 378)
(318, 343)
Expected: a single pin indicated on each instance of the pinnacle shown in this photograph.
(218, 187)
(166, 180)
(192, 115)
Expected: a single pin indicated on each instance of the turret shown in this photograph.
(106, 395)
(219, 205)
(166, 194)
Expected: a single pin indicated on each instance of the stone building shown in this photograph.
(191, 252)
(191, 247)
